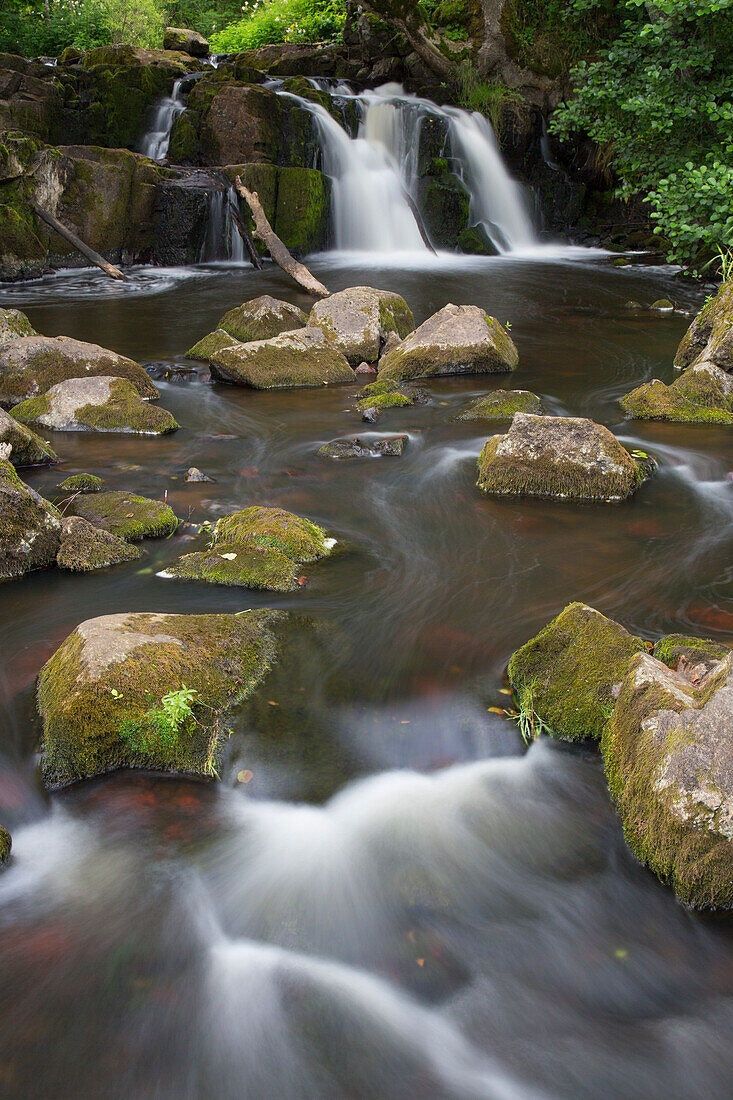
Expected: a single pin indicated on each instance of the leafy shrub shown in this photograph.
(491, 99)
(270, 22)
(28, 31)
(133, 22)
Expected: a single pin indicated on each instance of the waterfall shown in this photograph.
(155, 141)
(222, 240)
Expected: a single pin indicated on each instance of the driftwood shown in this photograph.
(108, 269)
(246, 236)
(264, 232)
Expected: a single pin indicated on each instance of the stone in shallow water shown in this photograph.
(358, 321)
(30, 527)
(14, 323)
(709, 338)
(26, 448)
(294, 359)
(31, 365)
(81, 483)
(259, 319)
(100, 404)
(85, 547)
(360, 448)
(560, 457)
(502, 405)
(101, 696)
(703, 394)
(194, 474)
(127, 515)
(256, 548)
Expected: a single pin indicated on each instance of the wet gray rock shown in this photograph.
(30, 365)
(26, 448)
(709, 339)
(30, 527)
(340, 449)
(97, 404)
(456, 340)
(194, 474)
(371, 414)
(293, 359)
(502, 405)
(359, 320)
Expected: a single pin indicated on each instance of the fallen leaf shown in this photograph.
(244, 776)
(420, 962)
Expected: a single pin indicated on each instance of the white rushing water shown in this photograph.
(222, 240)
(155, 141)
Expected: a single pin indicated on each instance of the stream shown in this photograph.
(398, 899)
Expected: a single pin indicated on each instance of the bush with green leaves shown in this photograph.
(269, 22)
(658, 99)
(32, 29)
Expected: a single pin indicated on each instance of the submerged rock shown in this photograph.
(104, 696)
(81, 483)
(256, 548)
(194, 474)
(6, 845)
(30, 527)
(96, 404)
(393, 446)
(709, 339)
(456, 340)
(502, 405)
(127, 515)
(359, 320)
(293, 359)
(85, 547)
(30, 365)
(13, 323)
(668, 755)
(186, 41)
(565, 676)
(703, 394)
(663, 305)
(259, 319)
(561, 457)
(26, 448)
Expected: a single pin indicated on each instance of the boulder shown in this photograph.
(30, 527)
(186, 41)
(30, 365)
(108, 695)
(256, 548)
(127, 515)
(339, 449)
(14, 323)
(675, 650)
(668, 756)
(358, 321)
(259, 319)
(98, 404)
(302, 358)
(250, 124)
(383, 395)
(26, 448)
(456, 340)
(502, 405)
(6, 844)
(566, 675)
(194, 474)
(703, 394)
(560, 457)
(85, 547)
(81, 483)
(709, 338)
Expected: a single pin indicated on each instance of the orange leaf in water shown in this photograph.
(420, 962)
(245, 776)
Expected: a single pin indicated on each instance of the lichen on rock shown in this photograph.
(127, 515)
(13, 323)
(258, 319)
(96, 404)
(30, 527)
(85, 547)
(256, 548)
(30, 365)
(456, 340)
(293, 359)
(359, 320)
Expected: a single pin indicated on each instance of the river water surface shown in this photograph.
(398, 899)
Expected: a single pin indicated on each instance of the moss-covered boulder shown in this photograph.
(339, 449)
(26, 448)
(85, 547)
(81, 483)
(560, 457)
(709, 338)
(293, 359)
(566, 675)
(502, 405)
(703, 394)
(186, 41)
(99, 404)
(30, 527)
(30, 365)
(14, 323)
(303, 209)
(668, 756)
(249, 124)
(456, 340)
(358, 321)
(6, 845)
(387, 398)
(256, 548)
(145, 690)
(259, 319)
(127, 515)
(671, 649)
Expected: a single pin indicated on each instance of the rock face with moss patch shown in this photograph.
(293, 359)
(127, 515)
(567, 673)
(96, 404)
(26, 448)
(30, 527)
(358, 321)
(561, 457)
(6, 845)
(186, 41)
(81, 483)
(709, 338)
(703, 394)
(30, 365)
(256, 548)
(85, 547)
(339, 449)
(102, 696)
(14, 323)
(456, 340)
(502, 405)
(679, 651)
(259, 319)
(668, 755)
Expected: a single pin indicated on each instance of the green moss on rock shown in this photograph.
(670, 648)
(293, 359)
(703, 394)
(30, 527)
(127, 515)
(6, 845)
(26, 448)
(566, 674)
(85, 548)
(709, 338)
(302, 213)
(256, 548)
(96, 404)
(390, 400)
(259, 319)
(81, 483)
(101, 694)
(502, 405)
(14, 323)
(29, 366)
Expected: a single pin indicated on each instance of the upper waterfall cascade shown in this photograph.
(155, 141)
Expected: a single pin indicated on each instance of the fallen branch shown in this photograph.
(264, 232)
(108, 269)
(246, 236)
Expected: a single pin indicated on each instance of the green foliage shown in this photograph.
(32, 31)
(269, 22)
(659, 99)
(133, 22)
(530, 724)
(160, 728)
(545, 36)
(493, 100)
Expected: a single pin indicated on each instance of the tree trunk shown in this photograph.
(107, 268)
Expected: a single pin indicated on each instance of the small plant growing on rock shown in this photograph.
(530, 724)
(160, 728)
